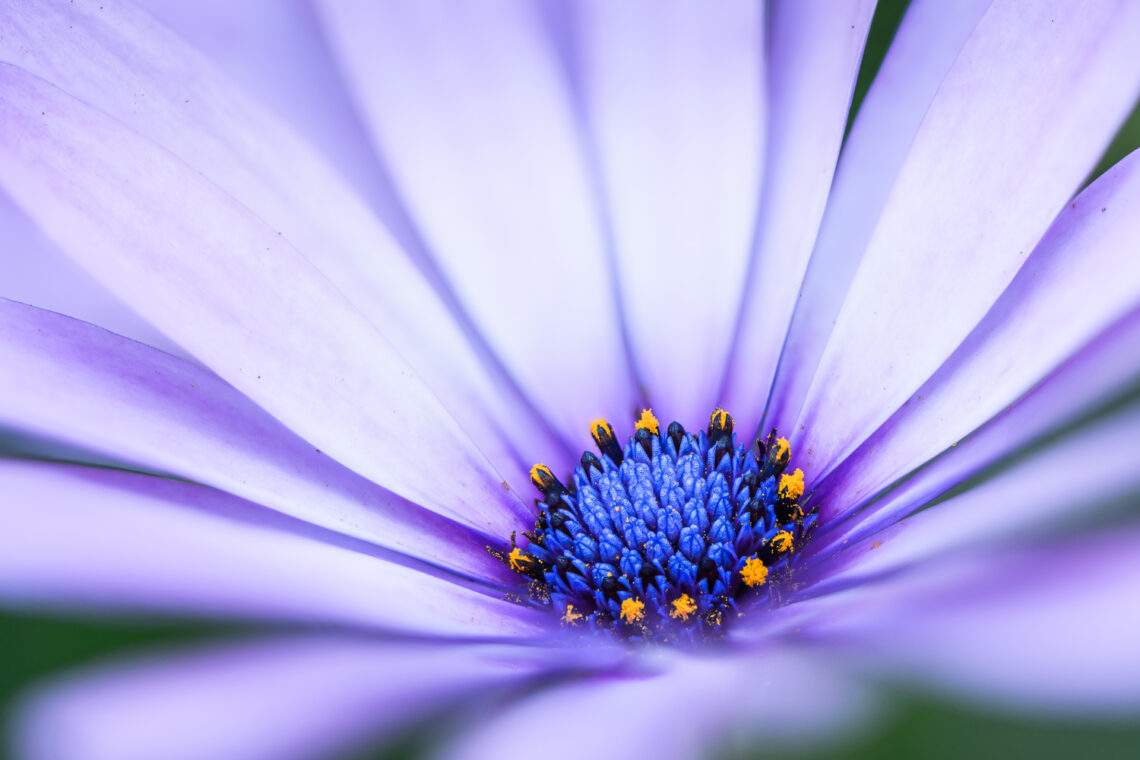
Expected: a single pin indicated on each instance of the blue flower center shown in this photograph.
(668, 537)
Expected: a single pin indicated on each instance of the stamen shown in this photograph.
(517, 560)
(632, 610)
(648, 422)
(667, 538)
(754, 573)
(604, 438)
(720, 425)
(570, 617)
(544, 480)
(782, 449)
(782, 541)
(792, 486)
(683, 607)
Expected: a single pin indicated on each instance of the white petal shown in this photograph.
(925, 46)
(1049, 629)
(1064, 484)
(469, 107)
(270, 699)
(37, 272)
(1103, 369)
(673, 94)
(813, 58)
(70, 381)
(691, 707)
(277, 52)
(237, 295)
(1082, 278)
(1024, 113)
(122, 62)
(83, 538)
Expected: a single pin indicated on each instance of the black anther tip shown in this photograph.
(645, 439)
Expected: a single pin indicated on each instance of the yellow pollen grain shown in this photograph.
(570, 617)
(719, 418)
(600, 428)
(648, 422)
(632, 610)
(683, 607)
(782, 541)
(518, 560)
(792, 486)
(754, 573)
(782, 448)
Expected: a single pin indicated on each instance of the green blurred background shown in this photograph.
(915, 724)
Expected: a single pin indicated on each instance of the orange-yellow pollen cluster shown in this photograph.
(754, 573)
(782, 541)
(570, 617)
(518, 561)
(683, 607)
(648, 422)
(792, 486)
(632, 610)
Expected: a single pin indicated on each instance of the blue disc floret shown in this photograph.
(665, 538)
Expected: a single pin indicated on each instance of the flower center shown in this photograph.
(667, 538)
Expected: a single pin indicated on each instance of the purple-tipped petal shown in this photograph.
(81, 537)
(923, 50)
(272, 699)
(673, 95)
(1081, 279)
(684, 708)
(1102, 369)
(237, 295)
(1051, 628)
(122, 62)
(813, 57)
(1019, 121)
(1061, 485)
(70, 381)
(470, 109)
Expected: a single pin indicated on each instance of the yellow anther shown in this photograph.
(599, 429)
(518, 561)
(782, 541)
(720, 418)
(754, 573)
(632, 610)
(648, 422)
(570, 617)
(683, 607)
(792, 486)
(782, 448)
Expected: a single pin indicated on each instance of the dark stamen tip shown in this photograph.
(676, 433)
(723, 447)
(590, 461)
(645, 439)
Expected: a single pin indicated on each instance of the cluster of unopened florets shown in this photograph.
(665, 538)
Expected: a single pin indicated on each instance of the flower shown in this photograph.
(582, 208)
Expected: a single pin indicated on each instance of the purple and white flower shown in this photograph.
(367, 264)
